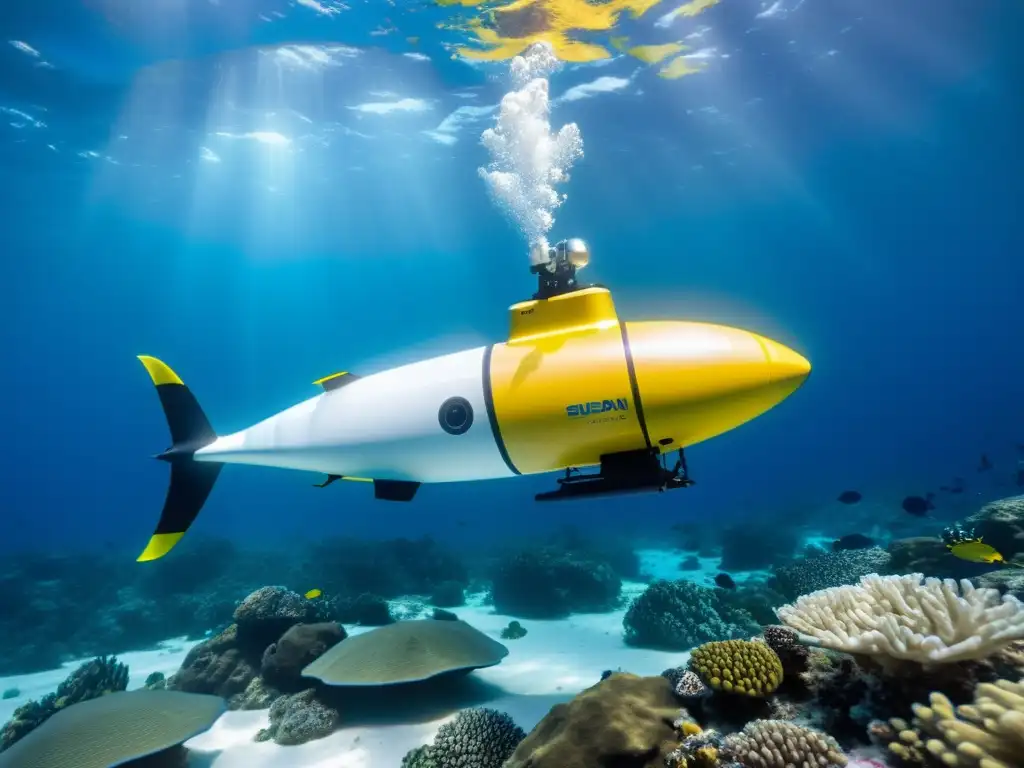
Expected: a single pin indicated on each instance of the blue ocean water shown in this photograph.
(196, 183)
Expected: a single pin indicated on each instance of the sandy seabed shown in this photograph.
(551, 664)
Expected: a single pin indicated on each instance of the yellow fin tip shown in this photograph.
(159, 545)
(159, 371)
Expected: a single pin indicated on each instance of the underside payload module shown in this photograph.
(573, 386)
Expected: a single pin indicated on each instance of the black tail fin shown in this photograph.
(191, 481)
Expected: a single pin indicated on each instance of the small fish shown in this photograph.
(985, 464)
(918, 506)
(724, 580)
(959, 485)
(976, 551)
(313, 594)
(849, 497)
(852, 541)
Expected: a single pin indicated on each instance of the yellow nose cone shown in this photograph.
(698, 380)
(785, 365)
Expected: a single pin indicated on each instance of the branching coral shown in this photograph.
(909, 618)
(91, 680)
(988, 733)
(778, 744)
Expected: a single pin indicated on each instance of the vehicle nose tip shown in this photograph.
(786, 365)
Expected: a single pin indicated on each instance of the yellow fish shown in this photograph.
(974, 551)
(313, 594)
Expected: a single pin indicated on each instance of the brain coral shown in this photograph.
(738, 666)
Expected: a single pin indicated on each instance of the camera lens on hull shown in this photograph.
(455, 415)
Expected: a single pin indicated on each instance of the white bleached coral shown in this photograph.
(930, 621)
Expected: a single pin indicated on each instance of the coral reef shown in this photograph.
(269, 612)
(219, 666)
(155, 681)
(268, 637)
(787, 646)
(988, 733)
(83, 605)
(474, 738)
(755, 596)
(548, 582)
(678, 615)
(739, 667)
(390, 569)
(624, 718)
(829, 569)
(613, 550)
(907, 617)
(365, 610)
(1006, 582)
(257, 695)
(1001, 524)
(420, 757)
(929, 555)
(283, 661)
(779, 744)
(513, 631)
(686, 684)
(407, 652)
(298, 718)
(92, 679)
(448, 594)
(699, 749)
(133, 728)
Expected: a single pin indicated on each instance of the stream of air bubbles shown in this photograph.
(528, 161)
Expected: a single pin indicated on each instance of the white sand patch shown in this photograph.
(664, 564)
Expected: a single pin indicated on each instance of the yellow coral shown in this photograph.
(988, 733)
(707, 756)
(690, 728)
(738, 666)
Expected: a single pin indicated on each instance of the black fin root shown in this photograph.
(330, 479)
(191, 481)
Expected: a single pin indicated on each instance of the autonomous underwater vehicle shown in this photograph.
(573, 387)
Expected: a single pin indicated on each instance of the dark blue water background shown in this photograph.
(864, 210)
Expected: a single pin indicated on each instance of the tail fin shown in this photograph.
(191, 481)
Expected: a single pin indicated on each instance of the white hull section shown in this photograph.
(384, 427)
